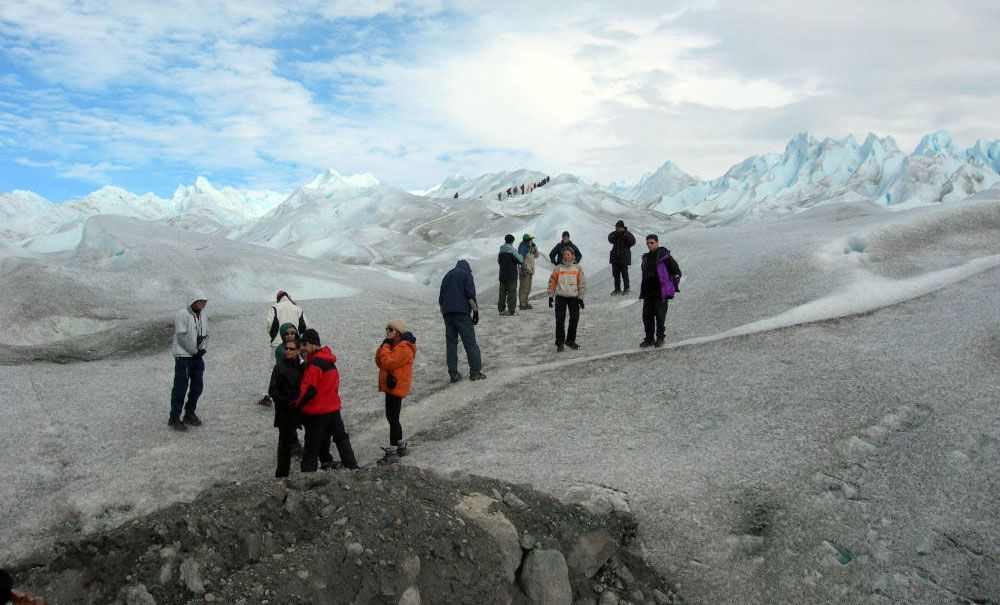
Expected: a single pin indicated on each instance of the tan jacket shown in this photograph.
(567, 281)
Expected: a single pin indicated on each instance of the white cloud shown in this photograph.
(479, 86)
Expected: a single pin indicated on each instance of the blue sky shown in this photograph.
(149, 95)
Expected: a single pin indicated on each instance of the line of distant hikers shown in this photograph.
(304, 387)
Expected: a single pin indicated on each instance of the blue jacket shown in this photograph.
(457, 288)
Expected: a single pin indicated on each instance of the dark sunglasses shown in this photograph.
(390, 329)
(291, 348)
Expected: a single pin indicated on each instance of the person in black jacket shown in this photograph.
(508, 258)
(621, 240)
(284, 389)
(555, 255)
(661, 277)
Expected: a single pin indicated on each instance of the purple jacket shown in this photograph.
(668, 274)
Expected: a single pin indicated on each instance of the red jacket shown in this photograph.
(319, 392)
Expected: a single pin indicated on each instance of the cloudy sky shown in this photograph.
(265, 94)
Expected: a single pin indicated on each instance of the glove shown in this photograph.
(199, 354)
(581, 303)
(551, 302)
(475, 317)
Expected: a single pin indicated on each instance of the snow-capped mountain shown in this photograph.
(205, 209)
(811, 171)
(354, 219)
(667, 180)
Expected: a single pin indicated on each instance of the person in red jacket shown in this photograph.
(319, 404)
(394, 358)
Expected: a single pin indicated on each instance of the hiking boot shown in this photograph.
(560, 348)
(528, 307)
(573, 345)
(265, 401)
(402, 449)
(646, 343)
(476, 376)
(659, 343)
(330, 465)
(454, 376)
(177, 425)
(389, 456)
(616, 293)
(625, 292)
(192, 419)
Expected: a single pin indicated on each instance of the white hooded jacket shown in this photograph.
(190, 328)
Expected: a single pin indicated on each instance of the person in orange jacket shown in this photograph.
(394, 358)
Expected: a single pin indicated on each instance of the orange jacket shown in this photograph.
(398, 359)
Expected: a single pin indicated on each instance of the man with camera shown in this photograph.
(189, 346)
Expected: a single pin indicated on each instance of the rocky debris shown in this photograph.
(545, 578)
(477, 508)
(397, 535)
(590, 552)
(597, 499)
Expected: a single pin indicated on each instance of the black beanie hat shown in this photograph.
(620, 224)
(565, 234)
(310, 336)
(508, 238)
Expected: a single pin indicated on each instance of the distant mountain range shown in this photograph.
(810, 172)
(314, 219)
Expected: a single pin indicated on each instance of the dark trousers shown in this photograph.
(287, 437)
(393, 405)
(320, 429)
(562, 335)
(188, 379)
(620, 273)
(508, 295)
(654, 313)
(455, 325)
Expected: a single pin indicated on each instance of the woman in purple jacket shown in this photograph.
(660, 278)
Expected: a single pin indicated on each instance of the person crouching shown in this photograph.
(394, 358)
(319, 404)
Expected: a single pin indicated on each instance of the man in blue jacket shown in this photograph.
(457, 300)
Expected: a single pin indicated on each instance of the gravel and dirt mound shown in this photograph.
(395, 534)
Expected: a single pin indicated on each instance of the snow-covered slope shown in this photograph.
(487, 185)
(127, 270)
(353, 219)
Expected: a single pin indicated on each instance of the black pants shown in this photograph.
(320, 429)
(393, 405)
(562, 335)
(288, 436)
(620, 272)
(654, 314)
(508, 295)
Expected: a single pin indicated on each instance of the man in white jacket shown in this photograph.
(283, 311)
(189, 345)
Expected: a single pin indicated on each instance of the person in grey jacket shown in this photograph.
(190, 343)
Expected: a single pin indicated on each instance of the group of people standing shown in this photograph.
(567, 285)
(304, 386)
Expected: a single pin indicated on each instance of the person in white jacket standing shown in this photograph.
(567, 288)
(283, 311)
(189, 346)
